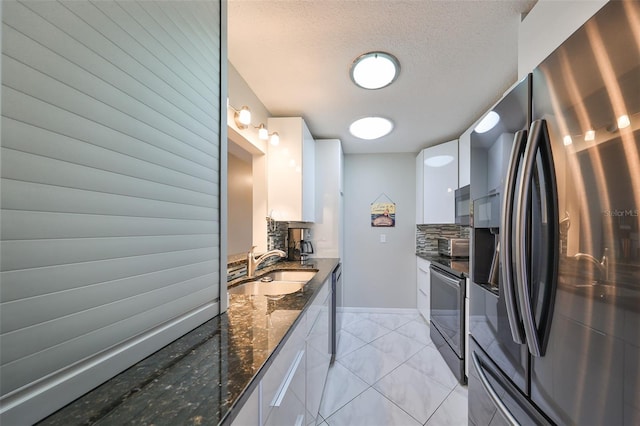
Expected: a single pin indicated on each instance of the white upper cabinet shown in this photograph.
(291, 171)
(328, 229)
(464, 159)
(436, 182)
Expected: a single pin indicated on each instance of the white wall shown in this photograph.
(247, 139)
(379, 275)
(240, 205)
(547, 25)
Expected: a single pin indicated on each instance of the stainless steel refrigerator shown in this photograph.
(555, 337)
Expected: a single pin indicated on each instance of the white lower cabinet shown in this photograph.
(291, 389)
(287, 406)
(249, 415)
(423, 287)
(318, 351)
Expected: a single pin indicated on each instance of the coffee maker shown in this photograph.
(298, 248)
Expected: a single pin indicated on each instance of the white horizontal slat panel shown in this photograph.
(152, 55)
(25, 254)
(36, 140)
(36, 281)
(185, 18)
(18, 165)
(137, 119)
(40, 197)
(110, 162)
(38, 364)
(51, 306)
(166, 20)
(50, 118)
(100, 82)
(61, 17)
(139, 11)
(28, 225)
(26, 341)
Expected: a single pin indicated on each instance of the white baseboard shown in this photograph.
(379, 310)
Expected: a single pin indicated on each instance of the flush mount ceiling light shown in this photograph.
(374, 70)
(370, 128)
(438, 161)
(488, 122)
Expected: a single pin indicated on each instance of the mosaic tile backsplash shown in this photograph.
(427, 236)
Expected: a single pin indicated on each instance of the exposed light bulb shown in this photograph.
(623, 121)
(263, 133)
(275, 139)
(589, 135)
(244, 115)
(567, 140)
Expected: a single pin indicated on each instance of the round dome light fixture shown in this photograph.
(374, 70)
(488, 122)
(370, 128)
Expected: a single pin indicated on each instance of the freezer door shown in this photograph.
(493, 399)
(587, 94)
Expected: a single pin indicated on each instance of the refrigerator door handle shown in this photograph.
(506, 237)
(492, 393)
(523, 204)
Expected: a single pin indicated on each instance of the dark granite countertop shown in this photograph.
(454, 265)
(204, 377)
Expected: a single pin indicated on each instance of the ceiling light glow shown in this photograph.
(589, 135)
(567, 140)
(438, 161)
(488, 122)
(374, 70)
(370, 128)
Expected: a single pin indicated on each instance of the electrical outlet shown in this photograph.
(383, 238)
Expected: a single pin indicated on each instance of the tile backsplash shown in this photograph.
(427, 236)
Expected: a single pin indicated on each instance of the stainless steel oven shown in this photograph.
(447, 317)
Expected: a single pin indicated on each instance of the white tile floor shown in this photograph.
(388, 373)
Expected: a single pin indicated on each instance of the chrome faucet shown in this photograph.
(602, 264)
(253, 262)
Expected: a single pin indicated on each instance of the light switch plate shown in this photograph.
(383, 238)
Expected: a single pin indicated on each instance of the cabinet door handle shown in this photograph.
(284, 386)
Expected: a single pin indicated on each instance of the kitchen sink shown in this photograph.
(273, 288)
(303, 276)
(275, 283)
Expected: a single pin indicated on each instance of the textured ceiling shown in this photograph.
(457, 58)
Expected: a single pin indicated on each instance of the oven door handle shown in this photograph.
(506, 236)
(450, 281)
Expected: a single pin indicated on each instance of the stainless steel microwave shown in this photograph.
(486, 211)
(463, 204)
